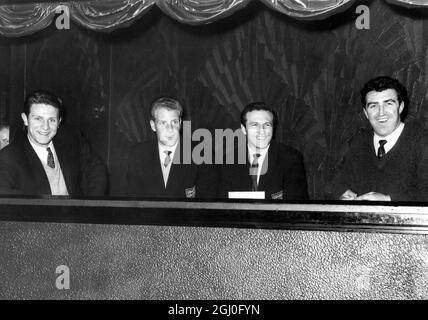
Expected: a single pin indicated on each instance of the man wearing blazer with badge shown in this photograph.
(156, 168)
(270, 166)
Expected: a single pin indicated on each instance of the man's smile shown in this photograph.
(382, 120)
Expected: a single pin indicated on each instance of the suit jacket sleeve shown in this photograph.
(7, 175)
(207, 181)
(295, 184)
(420, 191)
(341, 180)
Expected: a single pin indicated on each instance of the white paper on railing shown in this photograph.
(246, 194)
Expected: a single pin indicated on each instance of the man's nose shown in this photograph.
(46, 125)
(381, 110)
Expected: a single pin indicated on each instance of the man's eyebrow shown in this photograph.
(376, 102)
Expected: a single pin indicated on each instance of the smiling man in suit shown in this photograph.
(49, 160)
(270, 166)
(155, 167)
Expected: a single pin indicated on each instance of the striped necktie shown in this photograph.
(167, 158)
(51, 161)
(254, 170)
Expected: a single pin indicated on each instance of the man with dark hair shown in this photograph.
(156, 168)
(49, 161)
(389, 161)
(269, 166)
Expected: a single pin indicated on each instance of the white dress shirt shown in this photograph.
(262, 157)
(162, 156)
(42, 152)
(391, 139)
(54, 175)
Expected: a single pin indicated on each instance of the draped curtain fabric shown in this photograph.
(308, 9)
(200, 11)
(107, 15)
(20, 20)
(410, 3)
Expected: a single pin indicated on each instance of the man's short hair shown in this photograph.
(383, 83)
(4, 126)
(257, 106)
(44, 97)
(167, 103)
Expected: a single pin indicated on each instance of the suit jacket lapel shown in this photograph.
(61, 153)
(248, 182)
(156, 165)
(35, 169)
(269, 164)
(174, 176)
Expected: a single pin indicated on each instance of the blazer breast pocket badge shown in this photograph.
(278, 195)
(190, 192)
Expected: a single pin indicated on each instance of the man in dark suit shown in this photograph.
(48, 161)
(270, 166)
(156, 168)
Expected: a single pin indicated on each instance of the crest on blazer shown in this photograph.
(190, 192)
(278, 195)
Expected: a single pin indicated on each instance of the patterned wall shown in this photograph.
(310, 72)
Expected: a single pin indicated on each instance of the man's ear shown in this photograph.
(244, 131)
(25, 119)
(152, 125)
(365, 112)
(401, 107)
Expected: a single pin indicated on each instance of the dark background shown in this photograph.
(310, 72)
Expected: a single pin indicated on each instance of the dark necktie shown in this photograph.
(254, 170)
(51, 161)
(167, 158)
(381, 150)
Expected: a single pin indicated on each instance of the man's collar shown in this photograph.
(393, 136)
(261, 152)
(391, 139)
(163, 148)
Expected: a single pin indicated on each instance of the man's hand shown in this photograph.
(374, 196)
(348, 195)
